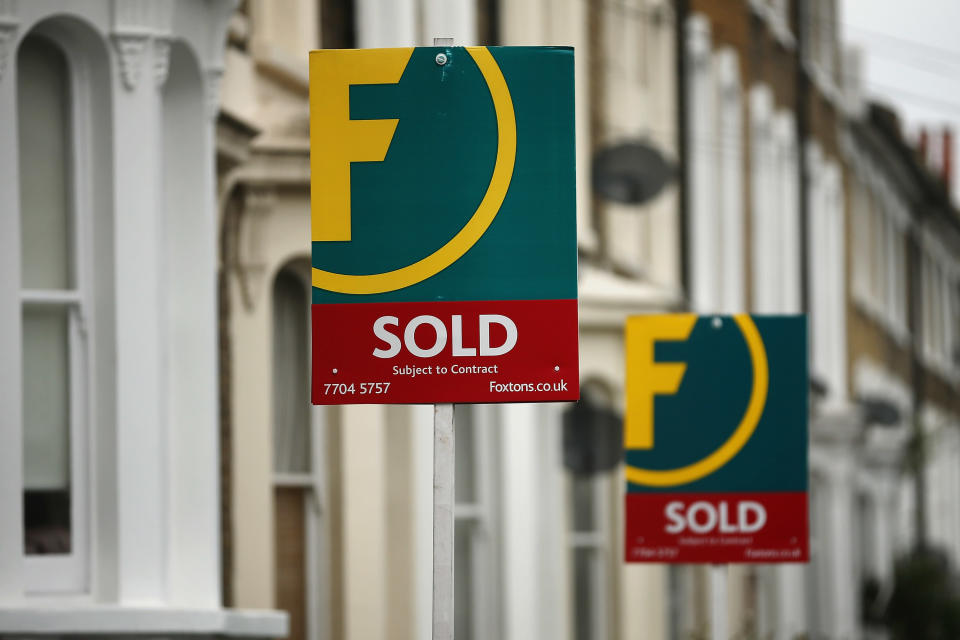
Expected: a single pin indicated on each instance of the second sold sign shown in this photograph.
(443, 225)
(716, 439)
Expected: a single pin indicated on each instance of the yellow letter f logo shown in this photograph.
(335, 139)
(646, 377)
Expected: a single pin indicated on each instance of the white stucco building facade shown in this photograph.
(109, 479)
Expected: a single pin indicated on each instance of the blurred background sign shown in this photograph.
(716, 439)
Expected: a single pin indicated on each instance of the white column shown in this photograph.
(141, 451)
(786, 209)
(791, 599)
(553, 552)
(11, 441)
(520, 508)
(364, 535)
(838, 297)
(644, 605)
(187, 74)
(843, 583)
(523, 23)
(703, 153)
(761, 189)
(730, 138)
(387, 23)
(455, 19)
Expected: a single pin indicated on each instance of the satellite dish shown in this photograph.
(592, 438)
(879, 411)
(631, 172)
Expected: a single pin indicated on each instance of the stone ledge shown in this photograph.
(136, 621)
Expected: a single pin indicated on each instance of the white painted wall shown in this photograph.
(154, 481)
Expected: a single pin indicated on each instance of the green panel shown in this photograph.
(437, 170)
(712, 398)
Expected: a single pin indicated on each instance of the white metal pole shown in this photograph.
(718, 602)
(443, 502)
(443, 521)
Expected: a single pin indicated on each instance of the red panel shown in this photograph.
(541, 366)
(676, 527)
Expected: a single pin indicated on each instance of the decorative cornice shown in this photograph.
(161, 60)
(130, 49)
(7, 32)
(8, 29)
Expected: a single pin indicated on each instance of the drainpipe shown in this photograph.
(917, 374)
(801, 108)
(681, 13)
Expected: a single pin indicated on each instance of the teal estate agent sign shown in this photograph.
(716, 439)
(443, 225)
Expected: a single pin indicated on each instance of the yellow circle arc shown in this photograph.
(737, 440)
(478, 223)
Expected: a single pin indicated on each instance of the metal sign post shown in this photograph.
(444, 497)
(718, 602)
(443, 521)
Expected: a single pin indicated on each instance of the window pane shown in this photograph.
(46, 430)
(42, 99)
(291, 376)
(466, 452)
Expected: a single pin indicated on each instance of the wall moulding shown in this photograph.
(131, 48)
(161, 59)
(8, 32)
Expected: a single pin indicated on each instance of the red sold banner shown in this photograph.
(470, 351)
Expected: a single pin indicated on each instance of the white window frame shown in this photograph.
(879, 262)
(826, 269)
(316, 498)
(481, 514)
(597, 542)
(70, 573)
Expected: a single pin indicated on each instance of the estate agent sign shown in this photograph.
(716, 439)
(443, 225)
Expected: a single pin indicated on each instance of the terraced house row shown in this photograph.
(161, 469)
